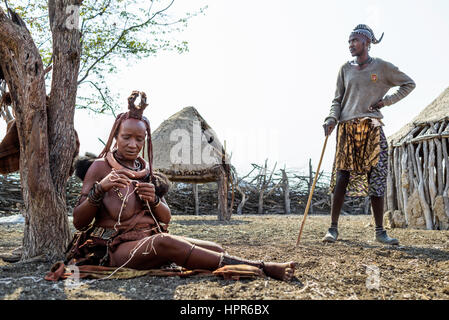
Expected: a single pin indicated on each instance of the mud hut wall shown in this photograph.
(418, 177)
(390, 199)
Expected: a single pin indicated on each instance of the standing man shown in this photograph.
(361, 157)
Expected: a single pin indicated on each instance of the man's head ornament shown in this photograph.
(366, 31)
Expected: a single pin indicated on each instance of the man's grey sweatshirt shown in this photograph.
(357, 90)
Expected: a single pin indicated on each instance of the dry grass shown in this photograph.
(418, 269)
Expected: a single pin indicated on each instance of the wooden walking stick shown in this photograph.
(309, 201)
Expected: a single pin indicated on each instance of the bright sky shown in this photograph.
(263, 73)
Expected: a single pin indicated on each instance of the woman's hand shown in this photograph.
(146, 192)
(116, 178)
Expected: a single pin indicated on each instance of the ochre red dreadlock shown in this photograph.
(135, 112)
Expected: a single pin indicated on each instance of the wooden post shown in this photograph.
(425, 171)
(439, 155)
(232, 186)
(422, 197)
(405, 183)
(196, 198)
(390, 182)
(223, 197)
(439, 160)
(415, 166)
(431, 174)
(242, 203)
(397, 177)
(411, 169)
(286, 190)
(444, 143)
(263, 186)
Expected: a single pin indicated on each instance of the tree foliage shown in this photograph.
(114, 33)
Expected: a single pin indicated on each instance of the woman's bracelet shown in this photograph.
(156, 203)
(96, 194)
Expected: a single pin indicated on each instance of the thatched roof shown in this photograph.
(437, 111)
(186, 148)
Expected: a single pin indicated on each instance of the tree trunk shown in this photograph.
(61, 106)
(46, 145)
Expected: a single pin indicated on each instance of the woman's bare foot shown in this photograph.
(280, 271)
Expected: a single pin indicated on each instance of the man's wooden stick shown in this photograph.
(309, 201)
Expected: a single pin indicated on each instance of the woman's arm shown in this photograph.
(162, 211)
(159, 207)
(96, 182)
(85, 211)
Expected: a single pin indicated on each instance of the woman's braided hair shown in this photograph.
(136, 112)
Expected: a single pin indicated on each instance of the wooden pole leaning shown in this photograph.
(309, 201)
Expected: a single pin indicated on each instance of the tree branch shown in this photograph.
(123, 33)
(7, 8)
(93, 17)
(102, 97)
(8, 32)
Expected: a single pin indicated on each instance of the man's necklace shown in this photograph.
(363, 63)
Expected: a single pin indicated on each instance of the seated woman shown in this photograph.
(124, 216)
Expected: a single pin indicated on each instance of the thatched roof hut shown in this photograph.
(187, 149)
(418, 180)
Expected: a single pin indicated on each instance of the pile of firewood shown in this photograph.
(261, 191)
(11, 201)
(10, 194)
(264, 191)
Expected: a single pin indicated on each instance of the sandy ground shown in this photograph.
(356, 267)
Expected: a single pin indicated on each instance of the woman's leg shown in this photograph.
(205, 244)
(159, 249)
